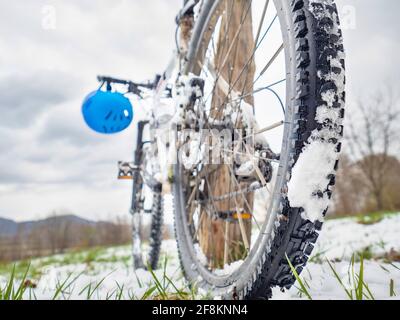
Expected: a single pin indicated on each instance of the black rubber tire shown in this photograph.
(156, 231)
(310, 46)
(150, 260)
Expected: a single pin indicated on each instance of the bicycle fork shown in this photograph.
(139, 174)
(137, 162)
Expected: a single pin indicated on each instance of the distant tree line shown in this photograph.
(59, 234)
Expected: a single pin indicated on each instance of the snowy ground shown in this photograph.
(107, 273)
(339, 240)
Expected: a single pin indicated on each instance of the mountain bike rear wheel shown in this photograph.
(147, 234)
(274, 214)
(147, 207)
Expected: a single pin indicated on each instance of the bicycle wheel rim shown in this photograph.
(235, 278)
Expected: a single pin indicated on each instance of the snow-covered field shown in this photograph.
(107, 273)
(339, 240)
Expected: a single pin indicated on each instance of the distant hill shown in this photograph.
(10, 228)
(55, 234)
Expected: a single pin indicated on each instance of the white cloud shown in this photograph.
(49, 159)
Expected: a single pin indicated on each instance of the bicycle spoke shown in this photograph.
(219, 70)
(270, 62)
(245, 200)
(271, 127)
(252, 55)
(244, 95)
(226, 244)
(233, 41)
(223, 85)
(231, 74)
(261, 21)
(238, 186)
(243, 230)
(224, 234)
(223, 82)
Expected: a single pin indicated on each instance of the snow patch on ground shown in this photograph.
(339, 240)
(323, 286)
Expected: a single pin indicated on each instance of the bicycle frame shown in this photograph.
(160, 146)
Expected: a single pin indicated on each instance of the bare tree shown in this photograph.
(348, 179)
(372, 139)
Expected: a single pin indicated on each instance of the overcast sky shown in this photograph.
(49, 159)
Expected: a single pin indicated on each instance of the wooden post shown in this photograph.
(222, 242)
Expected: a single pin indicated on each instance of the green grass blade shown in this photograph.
(348, 293)
(119, 293)
(138, 280)
(180, 293)
(158, 285)
(21, 289)
(394, 266)
(165, 271)
(370, 295)
(110, 294)
(392, 293)
(85, 288)
(384, 269)
(148, 292)
(59, 287)
(304, 289)
(10, 286)
(96, 288)
(360, 278)
(65, 285)
(131, 295)
(353, 275)
(89, 291)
